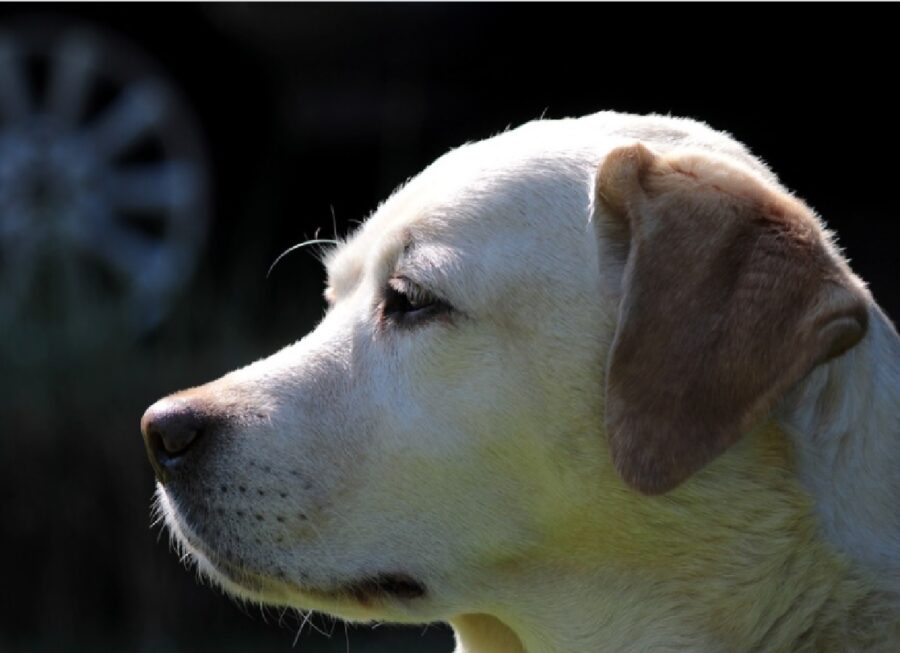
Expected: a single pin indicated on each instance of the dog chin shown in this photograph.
(365, 598)
(232, 578)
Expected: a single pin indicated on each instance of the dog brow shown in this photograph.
(343, 268)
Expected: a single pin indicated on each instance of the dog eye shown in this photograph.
(407, 303)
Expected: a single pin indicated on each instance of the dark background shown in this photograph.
(310, 115)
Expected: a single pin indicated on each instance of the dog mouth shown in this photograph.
(389, 585)
(368, 590)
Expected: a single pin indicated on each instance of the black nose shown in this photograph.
(171, 427)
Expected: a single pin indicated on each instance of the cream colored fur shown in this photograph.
(469, 452)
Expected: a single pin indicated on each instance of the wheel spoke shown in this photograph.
(17, 274)
(14, 92)
(172, 185)
(12, 225)
(138, 262)
(70, 78)
(139, 108)
(73, 296)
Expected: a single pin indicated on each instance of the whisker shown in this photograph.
(333, 221)
(313, 241)
(312, 624)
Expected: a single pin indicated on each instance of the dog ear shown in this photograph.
(731, 293)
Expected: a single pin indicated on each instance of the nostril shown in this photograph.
(170, 427)
(173, 438)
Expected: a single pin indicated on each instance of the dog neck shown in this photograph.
(844, 421)
(731, 561)
(574, 610)
(568, 618)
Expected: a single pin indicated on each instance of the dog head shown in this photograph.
(531, 321)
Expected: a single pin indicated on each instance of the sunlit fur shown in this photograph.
(470, 453)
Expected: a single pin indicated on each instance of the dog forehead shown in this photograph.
(515, 187)
(523, 185)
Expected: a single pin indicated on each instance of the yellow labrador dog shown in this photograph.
(598, 384)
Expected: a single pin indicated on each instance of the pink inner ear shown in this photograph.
(620, 176)
(844, 329)
(723, 296)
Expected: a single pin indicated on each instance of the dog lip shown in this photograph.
(365, 591)
(396, 585)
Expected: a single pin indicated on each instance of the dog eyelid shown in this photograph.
(414, 291)
(406, 303)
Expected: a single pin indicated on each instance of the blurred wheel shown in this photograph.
(104, 194)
